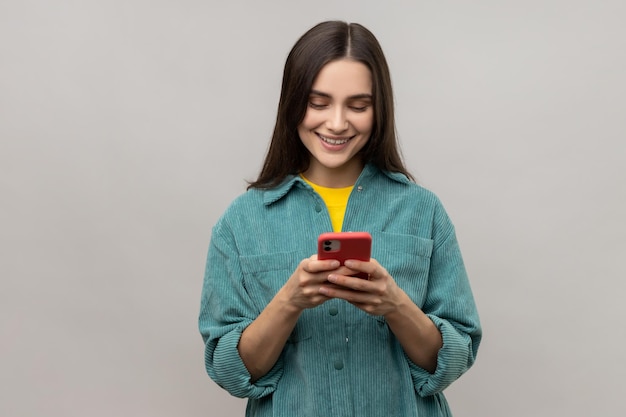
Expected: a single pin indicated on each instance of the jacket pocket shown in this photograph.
(264, 275)
(407, 259)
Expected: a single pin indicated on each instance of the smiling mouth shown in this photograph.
(331, 141)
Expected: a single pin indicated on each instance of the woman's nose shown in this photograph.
(337, 121)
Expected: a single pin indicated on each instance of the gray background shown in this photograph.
(126, 127)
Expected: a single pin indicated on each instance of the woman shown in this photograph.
(300, 336)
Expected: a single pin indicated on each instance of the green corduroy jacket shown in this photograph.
(338, 361)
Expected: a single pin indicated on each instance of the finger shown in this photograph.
(314, 266)
(343, 270)
(352, 296)
(372, 268)
(353, 283)
(368, 268)
(328, 288)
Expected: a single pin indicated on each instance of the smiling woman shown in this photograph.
(319, 51)
(338, 123)
(285, 329)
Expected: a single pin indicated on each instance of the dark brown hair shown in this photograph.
(323, 43)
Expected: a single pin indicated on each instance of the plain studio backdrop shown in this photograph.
(127, 127)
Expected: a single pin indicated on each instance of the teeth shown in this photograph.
(334, 141)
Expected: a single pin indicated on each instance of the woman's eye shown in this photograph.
(359, 109)
(317, 106)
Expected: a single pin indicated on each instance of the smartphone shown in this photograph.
(345, 245)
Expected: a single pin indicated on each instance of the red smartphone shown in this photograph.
(345, 245)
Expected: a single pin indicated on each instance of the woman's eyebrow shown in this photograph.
(354, 97)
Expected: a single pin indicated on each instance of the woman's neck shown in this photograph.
(338, 177)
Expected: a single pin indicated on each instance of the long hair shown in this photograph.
(323, 43)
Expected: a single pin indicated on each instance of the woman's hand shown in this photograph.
(264, 339)
(379, 295)
(302, 290)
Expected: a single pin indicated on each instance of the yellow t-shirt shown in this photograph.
(336, 200)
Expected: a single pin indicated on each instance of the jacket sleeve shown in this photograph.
(225, 311)
(450, 305)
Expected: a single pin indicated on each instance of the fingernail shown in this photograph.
(332, 278)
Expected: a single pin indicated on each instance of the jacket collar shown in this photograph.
(274, 194)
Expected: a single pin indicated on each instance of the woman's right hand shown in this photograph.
(302, 289)
(263, 340)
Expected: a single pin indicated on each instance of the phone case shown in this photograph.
(345, 245)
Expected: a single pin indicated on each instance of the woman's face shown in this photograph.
(338, 122)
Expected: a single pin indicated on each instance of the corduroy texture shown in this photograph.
(338, 361)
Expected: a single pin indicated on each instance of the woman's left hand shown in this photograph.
(378, 295)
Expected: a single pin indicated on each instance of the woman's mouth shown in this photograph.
(332, 141)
